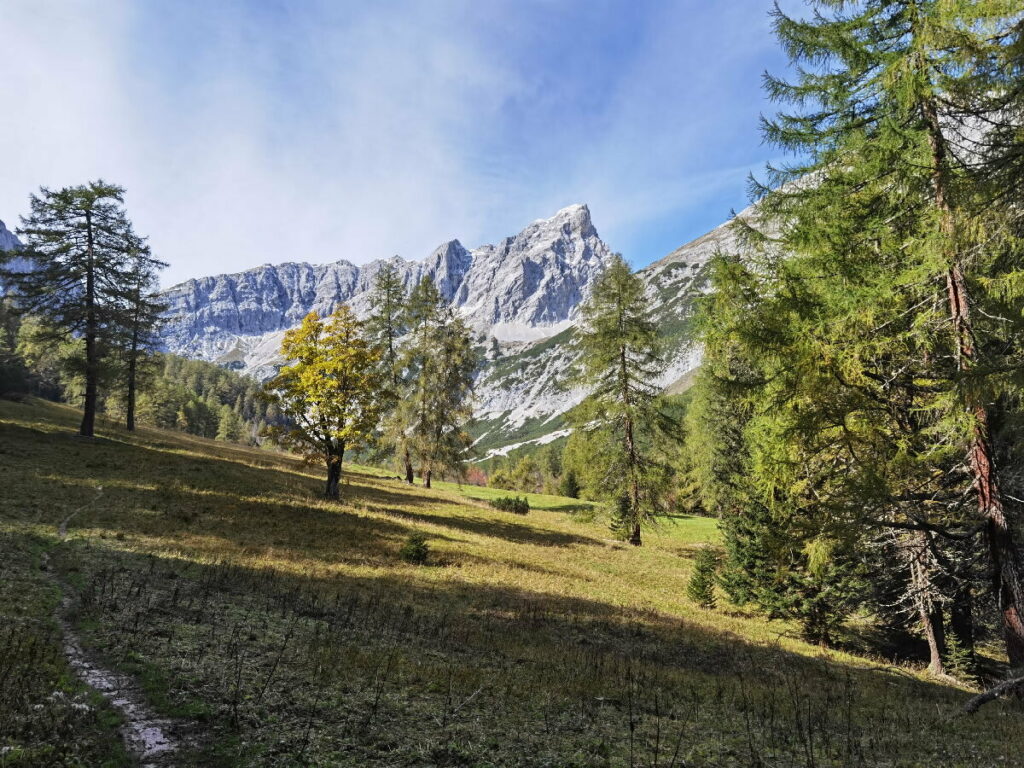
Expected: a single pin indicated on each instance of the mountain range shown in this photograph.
(524, 292)
(521, 297)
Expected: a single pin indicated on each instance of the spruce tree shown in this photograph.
(622, 420)
(79, 245)
(701, 586)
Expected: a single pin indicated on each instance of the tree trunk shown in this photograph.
(935, 634)
(426, 479)
(1008, 569)
(333, 489)
(410, 477)
(631, 457)
(129, 419)
(923, 590)
(133, 357)
(634, 537)
(91, 363)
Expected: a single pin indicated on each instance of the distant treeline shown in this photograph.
(193, 396)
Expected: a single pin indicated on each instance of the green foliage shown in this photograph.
(527, 475)
(439, 363)
(501, 478)
(415, 550)
(569, 485)
(701, 586)
(621, 429)
(515, 504)
(839, 402)
(959, 660)
(83, 280)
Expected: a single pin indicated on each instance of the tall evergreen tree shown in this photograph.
(78, 242)
(384, 328)
(385, 324)
(882, 306)
(330, 391)
(140, 319)
(621, 362)
(439, 363)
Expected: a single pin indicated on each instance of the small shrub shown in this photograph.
(515, 504)
(701, 587)
(959, 659)
(415, 550)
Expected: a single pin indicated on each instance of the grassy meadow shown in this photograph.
(278, 629)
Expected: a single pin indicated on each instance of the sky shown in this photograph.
(259, 131)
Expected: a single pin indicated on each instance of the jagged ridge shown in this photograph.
(527, 286)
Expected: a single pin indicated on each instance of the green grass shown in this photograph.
(286, 630)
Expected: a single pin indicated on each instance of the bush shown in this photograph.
(514, 504)
(701, 587)
(415, 550)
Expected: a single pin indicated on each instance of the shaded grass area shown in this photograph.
(290, 632)
(47, 717)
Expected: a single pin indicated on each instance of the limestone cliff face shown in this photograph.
(526, 287)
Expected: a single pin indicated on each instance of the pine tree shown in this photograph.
(621, 362)
(79, 244)
(330, 391)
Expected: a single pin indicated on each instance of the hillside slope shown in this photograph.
(278, 629)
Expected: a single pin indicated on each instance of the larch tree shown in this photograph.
(883, 310)
(139, 325)
(440, 363)
(622, 421)
(384, 328)
(78, 244)
(330, 391)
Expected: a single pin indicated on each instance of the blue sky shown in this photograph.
(254, 132)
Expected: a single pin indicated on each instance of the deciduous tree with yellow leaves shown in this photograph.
(331, 391)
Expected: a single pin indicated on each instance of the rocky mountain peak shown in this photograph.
(527, 286)
(8, 240)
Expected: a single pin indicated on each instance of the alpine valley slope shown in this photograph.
(525, 292)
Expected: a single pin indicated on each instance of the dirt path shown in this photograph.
(152, 739)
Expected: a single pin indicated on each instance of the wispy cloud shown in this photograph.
(252, 132)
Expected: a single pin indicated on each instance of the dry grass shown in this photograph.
(289, 631)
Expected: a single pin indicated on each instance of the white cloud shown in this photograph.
(332, 130)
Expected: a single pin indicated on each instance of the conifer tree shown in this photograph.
(78, 242)
(330, 391)
(385, 324)
(140, 317)
(440, 363)
(880, 301)
(384, 327)
(569, 485)
(621, 363)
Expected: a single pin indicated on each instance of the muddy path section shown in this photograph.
(155, 741)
